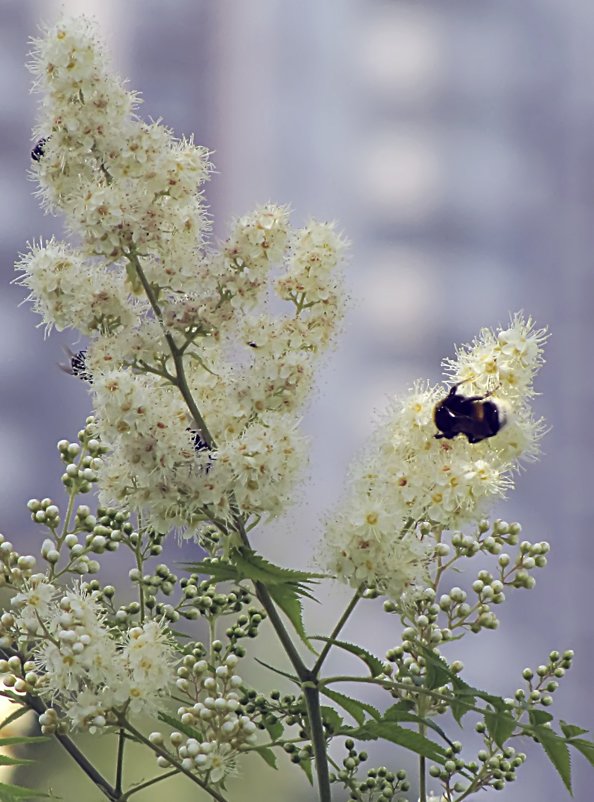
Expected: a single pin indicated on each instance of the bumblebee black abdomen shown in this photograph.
(476, 417)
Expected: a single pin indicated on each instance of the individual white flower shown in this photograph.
(34, 602)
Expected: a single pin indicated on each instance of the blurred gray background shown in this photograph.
(454, 142)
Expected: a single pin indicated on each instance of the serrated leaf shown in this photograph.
(255, 567)
(191, 732)
(401, 712)
(14, 716)
(287, 599)
(464, 699)
(539, 717)
(390, 731)
(332, 718)
(500, 726)
(585, 747)
(356, 708)
(571, 730)
(9, 793)
(556, 750)
(267, 755)
(221, 570)
(373, 663)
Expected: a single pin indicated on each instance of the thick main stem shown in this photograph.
(310, 690)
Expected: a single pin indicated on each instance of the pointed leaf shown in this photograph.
(373, 663)
(463, 701)
(287, 599)
(585, 747)
(14, 716)
(356, 708)
(267, 754)
(9, 793)
(571, 730)
(331, 717)
(500, 726)
(401, 712)
(7, 760)
(539, 717)
(307, 768)
(254, 566)
(278, 671)
(556, 750)
(390, 731)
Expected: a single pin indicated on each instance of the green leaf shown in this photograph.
(191, 732)
(571, 730)
(7, 760)
(331, 717)
(401, 712)
(14, 716)
(356, 708)
(464, 699)
(556, 750)
(255, 567)
(306, 766)
(539, 717)
(500, 726)
(585, 747)
(288, 600)
(373, 663)
(390, 731)
(293, 678)
(267, 754)
(10, 793)
(247, 564)
(275, 729)
(23, 739)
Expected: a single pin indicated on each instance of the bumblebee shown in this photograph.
(478, 417)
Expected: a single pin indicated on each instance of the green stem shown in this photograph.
(35, 703)
(336, 631)
(164, 753)
(311, 694)
(146, 784)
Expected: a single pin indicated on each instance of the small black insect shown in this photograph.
(201, 446)
(475, 416)
(39, 150)
(78, 366)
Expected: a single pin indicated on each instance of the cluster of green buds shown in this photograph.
(380, 784)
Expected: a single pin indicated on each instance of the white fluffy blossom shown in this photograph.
(408, 477)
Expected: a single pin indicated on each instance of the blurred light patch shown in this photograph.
(401, 174)
(401, 54)
(399, 298)
(14, 445)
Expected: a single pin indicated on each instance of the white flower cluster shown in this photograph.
(77, 662)
(409, 487)
(169, 315)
